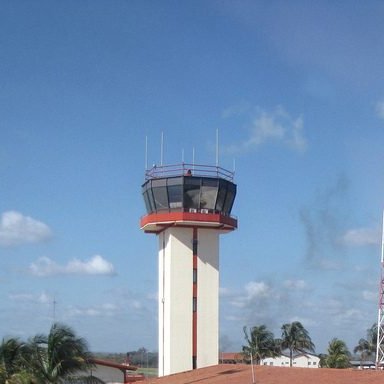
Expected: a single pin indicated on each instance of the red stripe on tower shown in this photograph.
(194, 300)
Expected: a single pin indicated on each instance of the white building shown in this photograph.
(303, 360)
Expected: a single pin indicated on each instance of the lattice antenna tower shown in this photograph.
(380, 318)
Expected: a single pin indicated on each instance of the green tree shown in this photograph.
(323, 360)
(13, 357)
(295, 338)
(338, 354)
(261, 343)
(9, 358)
(367, 347)
(57, 356)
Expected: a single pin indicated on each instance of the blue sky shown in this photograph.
(296, 92)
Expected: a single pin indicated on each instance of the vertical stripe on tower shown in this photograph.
(194, 300)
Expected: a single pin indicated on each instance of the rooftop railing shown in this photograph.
(185, 169)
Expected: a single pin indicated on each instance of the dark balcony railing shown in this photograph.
(185, 169)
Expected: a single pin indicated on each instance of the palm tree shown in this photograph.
(295, 338)
(261, 343)
(9, 358)
(367, 347)
(58, 355)
(338, 354)
(13, 368)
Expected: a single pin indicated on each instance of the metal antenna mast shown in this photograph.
(54, 309)
(217, 147)
(162, 148)
(380, 318)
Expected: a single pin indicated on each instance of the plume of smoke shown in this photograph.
(323, 221)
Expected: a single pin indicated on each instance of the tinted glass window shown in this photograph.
(208, 197)
(209, 182)
(221, 196)
(175, 195)
(146, 201)
(160, 197)
(175, 192)
(208, 193)
(186, 192)
(147, 193)
(150, 198)
(192, 181)
(229, 199)
(192, 192)
(175, 181)
(159, 182)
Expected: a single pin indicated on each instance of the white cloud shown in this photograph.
(297, 140)
(304, 320)
(16, 229)
(350, 314)
(341, 312)
(223, 292)
(109, 307)
(295, 284)
(256, 289)
(96, 265)
(42, 298)
(266, 127)
(361, 237)
(90, 312)
(272, 303)
(254, 292)
(370, 295)
(153, 296)
(136, 304)
(237, 319)
(104, 309)
(236, 110)
(380, 109)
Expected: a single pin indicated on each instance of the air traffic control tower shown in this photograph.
(188, 207)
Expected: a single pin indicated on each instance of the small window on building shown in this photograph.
(194, 304)
(194, 276)
(194, 247)
(271, 363)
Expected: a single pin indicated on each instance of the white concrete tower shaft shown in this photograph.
(188, 299)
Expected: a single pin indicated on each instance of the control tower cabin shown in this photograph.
(188, 207)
